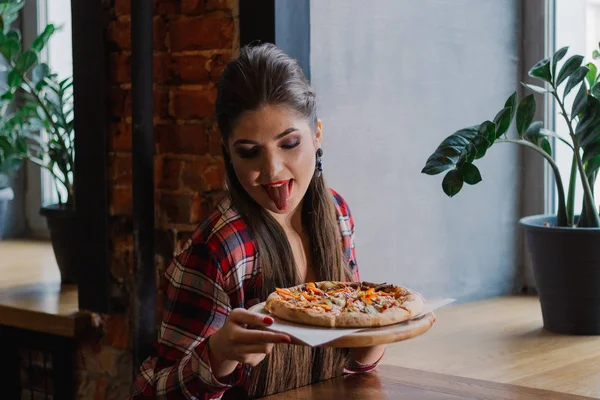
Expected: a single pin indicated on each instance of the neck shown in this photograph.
(291, 221)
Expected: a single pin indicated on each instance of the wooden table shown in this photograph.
(31, 295)
(392, 382)
(502, 340)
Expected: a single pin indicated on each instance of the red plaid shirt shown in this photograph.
(215, 273)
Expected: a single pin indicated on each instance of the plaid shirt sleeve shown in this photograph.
(346, 223)
(196, 306)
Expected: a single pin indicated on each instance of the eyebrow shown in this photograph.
(279, 136)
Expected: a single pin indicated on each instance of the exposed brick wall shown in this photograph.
(193, 39)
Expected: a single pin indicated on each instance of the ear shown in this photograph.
(318, 135)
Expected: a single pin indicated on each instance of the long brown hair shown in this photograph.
(265, 75)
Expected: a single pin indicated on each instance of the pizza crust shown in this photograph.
(282, 308)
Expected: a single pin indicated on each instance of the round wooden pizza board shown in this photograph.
(375, 336)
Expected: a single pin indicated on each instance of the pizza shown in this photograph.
(345, 304)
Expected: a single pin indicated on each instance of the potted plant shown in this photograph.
(44, 107)
(564, 248)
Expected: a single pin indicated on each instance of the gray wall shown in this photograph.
(393, 78)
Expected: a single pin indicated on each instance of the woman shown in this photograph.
(279, 226)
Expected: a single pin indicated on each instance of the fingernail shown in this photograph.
(287, 340)
(268, 320)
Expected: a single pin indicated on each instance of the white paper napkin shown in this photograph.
(315, 336)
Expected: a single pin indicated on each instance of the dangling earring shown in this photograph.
(319, 164)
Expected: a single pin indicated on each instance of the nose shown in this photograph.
(271, 165)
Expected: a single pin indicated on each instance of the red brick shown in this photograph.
(120, 68)
(162, 7)
(215, 141)
(116, 331)
(201, 33)
(167, 173)
(119, 32)
(119, 167)
(199, 209)
(121, 201)
(123, 7)
(161, 68)
(120, 102)
(120, 135)
(161, 103)
(206, 173)
(189, 69)
(201, 6)
(182, 139)
(175, 208)
(217, 65)
(160, 34)
(192, 104)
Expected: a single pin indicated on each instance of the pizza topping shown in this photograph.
(345, 297)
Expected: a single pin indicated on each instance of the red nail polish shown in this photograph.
(268, 320)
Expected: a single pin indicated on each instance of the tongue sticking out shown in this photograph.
(280, 195)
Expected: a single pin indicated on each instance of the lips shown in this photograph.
(279, 192)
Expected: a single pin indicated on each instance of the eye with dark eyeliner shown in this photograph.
(290, 144)
(247, 153)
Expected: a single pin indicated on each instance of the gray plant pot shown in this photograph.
(6, 195)
(566, 268)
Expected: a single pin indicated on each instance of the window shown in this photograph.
(41, 189)
(577, 25)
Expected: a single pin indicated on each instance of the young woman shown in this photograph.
(279, 226)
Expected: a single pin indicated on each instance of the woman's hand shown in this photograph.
(236, 343)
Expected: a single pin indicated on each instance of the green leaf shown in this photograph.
(570, 66)
(541, 70)
(14, 79)
(592, 166)
(40, 42)
(452, 182)
(580, 102)
(557, 57)
(488, 130)
(595, 91)
(481, 145)
(436, 164)
(470, 174)
(537, 89)
(546, 146)
(10, 96)
(591, 151)
(575, 78)
(502, 121)
(14, 35)
(589, 123)
(40, 72)
(21, 145)
(26, 61)
(596, 54)
(10, 49)
(591, 76)
(533, 132)
(512, 103)
(525, 114)
(12, 163)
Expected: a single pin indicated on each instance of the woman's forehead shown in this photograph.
(267, 122)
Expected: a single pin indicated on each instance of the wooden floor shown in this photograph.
(502, 340)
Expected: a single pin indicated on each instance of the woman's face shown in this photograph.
(273, 153)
